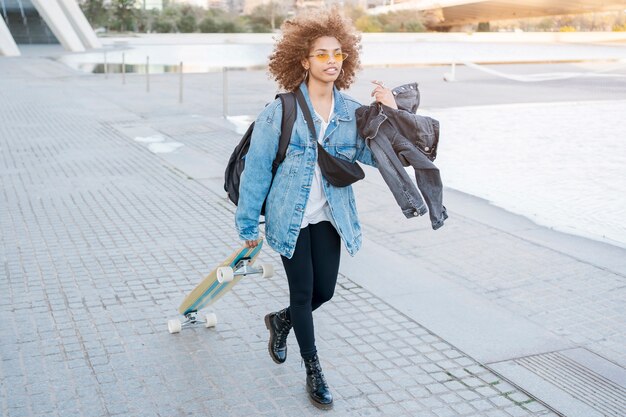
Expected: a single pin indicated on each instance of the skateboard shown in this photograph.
(238, 265)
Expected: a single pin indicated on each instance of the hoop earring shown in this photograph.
(306, 74)
(342, 73)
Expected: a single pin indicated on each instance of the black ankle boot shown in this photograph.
(279, 326)
(316, 385)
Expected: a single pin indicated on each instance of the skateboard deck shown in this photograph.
(216, 284)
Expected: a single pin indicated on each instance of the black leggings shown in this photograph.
(312, 275)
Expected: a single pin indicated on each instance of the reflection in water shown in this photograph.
(167, 58)
(137, 69)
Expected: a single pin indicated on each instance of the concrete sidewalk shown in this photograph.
(101, 239)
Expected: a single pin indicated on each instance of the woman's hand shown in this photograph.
(384, 95)
(251, 243)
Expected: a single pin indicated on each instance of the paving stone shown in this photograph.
(399, 395)
(445, 412)
(463, 408)
(454, 385)
(516, 411)
(419, 392)
(504, 386)
(501, 401)
(519, 397)
(472, 382)
(437, 388)
(535, 407)
(481, 405)
(496, 413)
(450, 398)
(411, 405)
(391, 409)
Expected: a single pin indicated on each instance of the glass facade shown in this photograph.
(25, 23)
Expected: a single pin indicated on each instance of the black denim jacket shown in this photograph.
(399, 138)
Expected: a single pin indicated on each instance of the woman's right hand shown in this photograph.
(252, 243)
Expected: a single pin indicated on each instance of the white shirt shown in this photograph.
(317, 209)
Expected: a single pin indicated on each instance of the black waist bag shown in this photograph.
(338, 172)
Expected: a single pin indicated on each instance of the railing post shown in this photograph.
(123, 68)
(106, 66)
(180, 84)
(450, 76)
(147, 74)
(225, 92)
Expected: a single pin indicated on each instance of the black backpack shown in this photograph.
(236, 163)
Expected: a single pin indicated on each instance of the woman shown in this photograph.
(307, 217)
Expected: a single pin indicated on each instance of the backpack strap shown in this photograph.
(289, 118)
(309, 119)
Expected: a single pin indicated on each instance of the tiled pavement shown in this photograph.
(580, 301)
(101, 239)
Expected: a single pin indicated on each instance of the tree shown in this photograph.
(219, 21)
(353, 12)
(187, 22)
(619, 28)
(483, 27)
(401, 22)
(267, 17)
(124, 13)
(95, 12)
(415, 26)
(208, 25)
(167, 22)
(367, 23)
(388, 22)
(146, 20)
(231, 26)
(545, 25)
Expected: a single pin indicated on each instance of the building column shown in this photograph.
(59, 24)
(79, 22)
(8, 47)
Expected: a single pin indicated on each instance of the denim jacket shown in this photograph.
(399, 138)
(289, 191)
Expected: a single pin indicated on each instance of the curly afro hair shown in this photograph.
(299, 34)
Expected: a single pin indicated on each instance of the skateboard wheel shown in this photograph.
(268, 270)
(174, 326)
(225, 274)
(211, 320)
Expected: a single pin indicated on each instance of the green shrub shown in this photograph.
(415, 26)
(266, 18)
(407, 21)
(164, 25)
(208, 25)
(96, 12)
(483, 27)
(368, 24)
(231, 26)
(187, 22)
(619, 28)
(389, 22)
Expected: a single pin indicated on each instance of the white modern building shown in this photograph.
(44, 21)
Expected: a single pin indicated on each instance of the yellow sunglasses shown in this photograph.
(325, 57)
